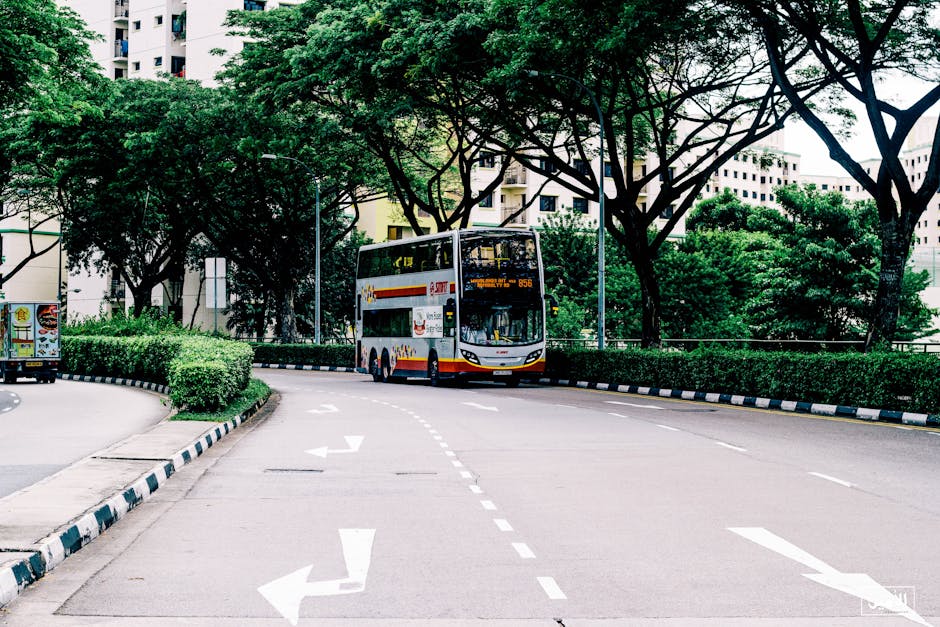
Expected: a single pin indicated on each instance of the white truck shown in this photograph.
(29, 341)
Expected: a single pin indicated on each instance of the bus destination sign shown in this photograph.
(489, 283)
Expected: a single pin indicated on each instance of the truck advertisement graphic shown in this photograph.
(29, 341)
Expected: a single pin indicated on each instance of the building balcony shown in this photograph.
(120, 48)
(514, 177)
(512, 214)
(121, 9)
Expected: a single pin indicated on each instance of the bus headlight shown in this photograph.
(533, 356)
(473, 359)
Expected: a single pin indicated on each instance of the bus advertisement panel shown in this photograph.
(466, 304)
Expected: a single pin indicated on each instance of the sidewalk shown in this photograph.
(46, 522)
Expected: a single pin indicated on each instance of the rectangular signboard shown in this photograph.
(427, 322)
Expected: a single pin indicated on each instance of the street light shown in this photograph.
(316, 323)
(601, 314)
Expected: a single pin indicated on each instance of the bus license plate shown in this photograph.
(34, 364)
(502, 373)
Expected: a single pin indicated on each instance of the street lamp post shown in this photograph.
(601, 313)
(316, 280)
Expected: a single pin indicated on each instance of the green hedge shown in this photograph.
(308, 354)
(896, 381)
(203, 373)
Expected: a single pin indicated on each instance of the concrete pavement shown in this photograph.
(46, 522)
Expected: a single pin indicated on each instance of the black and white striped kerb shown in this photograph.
(821, 409)
(144, 385)
(306, 367)
(53, 549)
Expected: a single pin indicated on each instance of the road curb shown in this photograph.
(305, 367)
(145, 385)
(821, 409)
(36, 561)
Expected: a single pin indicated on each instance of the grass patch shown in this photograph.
(257, 390)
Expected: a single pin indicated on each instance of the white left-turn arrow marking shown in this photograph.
(857, 584)
(327, 409)
(354, 442)
(287, 593)
(478, 406)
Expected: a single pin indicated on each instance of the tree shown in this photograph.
(682, 88)
(859, 44)
(46, 76)
(355, 64)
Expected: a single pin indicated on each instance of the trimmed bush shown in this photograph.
(308, 354)
(887, 380)
(204, 373)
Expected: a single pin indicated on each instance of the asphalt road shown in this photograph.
(529, 506)
(44, 428)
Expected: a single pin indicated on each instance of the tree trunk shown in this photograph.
(287, 333)
(651, 335)
(894, 250)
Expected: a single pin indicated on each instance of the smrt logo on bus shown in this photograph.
(438, 287)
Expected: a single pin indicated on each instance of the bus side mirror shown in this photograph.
(552, 306)
(450, 317)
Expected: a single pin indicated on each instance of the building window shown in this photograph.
(744, 194)
(254, 5)
(763, 197)
(178, 66)
(582, 166)
(136, 66)
(666, 213)
(825, 186)
(158, 62)
(547, 203)
(486, 159)
(158, 20)
(136, 24)
(579, 204)
(608, 170)
(735, 173)
(487, 201)
(546, 165)
(726, 172)
(119, 72)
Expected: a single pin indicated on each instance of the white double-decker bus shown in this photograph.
(465, 304)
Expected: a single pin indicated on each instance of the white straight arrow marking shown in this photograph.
(327, 409)
(287, 593)
(354, 442)
(486, 407)
(857, 584)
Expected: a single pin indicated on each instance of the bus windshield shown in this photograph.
(488, 324)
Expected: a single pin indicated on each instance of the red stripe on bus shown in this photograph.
(395, 292)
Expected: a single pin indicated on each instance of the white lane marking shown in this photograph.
(857, 584)
(634, 405)
(353, 441)
(327, 409)
(832, 479)
(488, 505)
(502, 524)
(731, 446)
(476, 489)
(610, 413)
(904, 428)
(450, 453)
(286, 593)
(551, 588)
(567, 406)
(466, 474)
(523, 550)
(457, 464)
(478, 406)
(930, 432)
(438, 437)
(667, 427)
(444, 445)
(434, 431)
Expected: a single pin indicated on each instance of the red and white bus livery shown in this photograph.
(466, 304)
